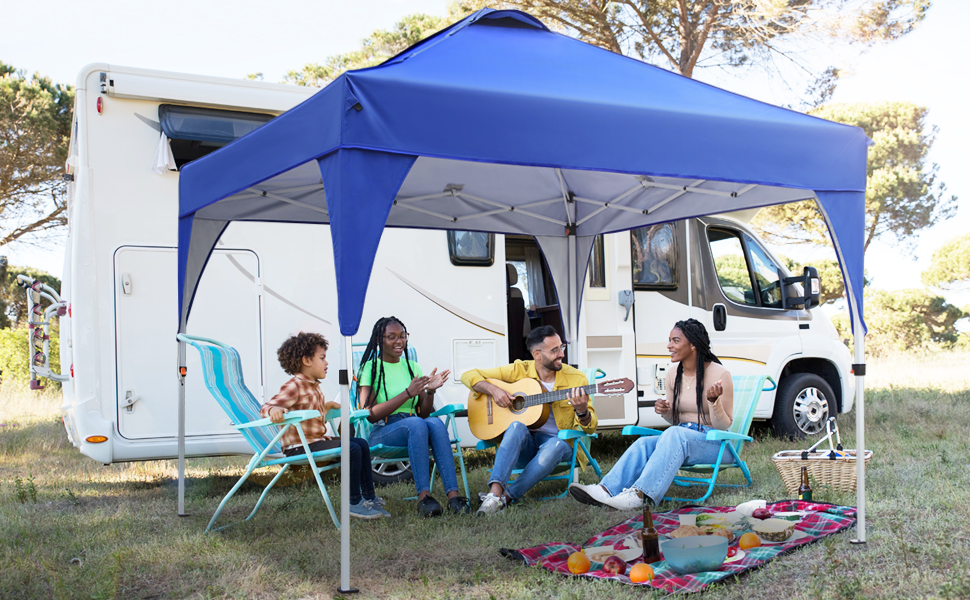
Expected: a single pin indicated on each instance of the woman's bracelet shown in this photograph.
(583, 415)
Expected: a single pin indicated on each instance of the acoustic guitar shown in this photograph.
(530, 404)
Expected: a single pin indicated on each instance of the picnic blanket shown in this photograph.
(821, 520)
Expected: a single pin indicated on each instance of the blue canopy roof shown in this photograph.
(499, 124)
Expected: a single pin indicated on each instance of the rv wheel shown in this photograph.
(802, 405)
(387, 473)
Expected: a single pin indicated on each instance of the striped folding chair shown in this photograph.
(222, 371)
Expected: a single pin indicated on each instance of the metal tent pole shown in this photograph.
(346, 349)
(181, 417)
(859, 369)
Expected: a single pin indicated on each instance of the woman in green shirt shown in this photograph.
(400, 397)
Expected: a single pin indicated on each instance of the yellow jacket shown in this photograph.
(566, 378)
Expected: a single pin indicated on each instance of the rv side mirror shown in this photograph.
(811, 286)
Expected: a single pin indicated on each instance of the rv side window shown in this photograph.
(471, 248)
(597, 264)
(194, 132)
(765, 274)
(731, 266)
(654, 257)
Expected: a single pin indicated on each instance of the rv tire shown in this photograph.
(387, 473)
(802, 405)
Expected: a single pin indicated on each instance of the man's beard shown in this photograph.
(551, 365)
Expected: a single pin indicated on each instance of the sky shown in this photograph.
(234, 39)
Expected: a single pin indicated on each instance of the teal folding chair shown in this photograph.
(395, 456)
(222, 372)
(747, 392)
(565, 471)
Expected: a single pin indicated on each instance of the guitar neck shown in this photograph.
(556, 395)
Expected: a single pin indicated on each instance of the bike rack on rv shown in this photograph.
(39, 328)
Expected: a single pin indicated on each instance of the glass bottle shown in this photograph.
(651, 541)
(805, 489)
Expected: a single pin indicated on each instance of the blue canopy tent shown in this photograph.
(499, 124)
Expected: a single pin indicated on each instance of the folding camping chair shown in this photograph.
(394, 455)
(747, 391)
(565, 471)
(222, 372)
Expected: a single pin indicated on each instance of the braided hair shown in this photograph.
(374, 353)
(696, 334)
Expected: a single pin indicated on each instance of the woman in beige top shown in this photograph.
(648, 466)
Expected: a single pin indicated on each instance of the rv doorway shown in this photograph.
(531, 295)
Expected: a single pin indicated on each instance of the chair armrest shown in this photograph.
(571, 434)
(294, 416)
(357, 415)
(769, 379)
(484, 445)
(448, 410)
(715, 435)
(634, 430)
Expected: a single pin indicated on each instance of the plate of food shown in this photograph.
(737, 556)
(777, 531)
(628, 548)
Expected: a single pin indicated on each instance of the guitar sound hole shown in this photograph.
(518, 404)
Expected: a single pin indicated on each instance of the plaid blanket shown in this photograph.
(821, 520)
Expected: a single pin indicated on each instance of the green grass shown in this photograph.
(72, 528)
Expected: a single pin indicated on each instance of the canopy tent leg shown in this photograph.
(859, 336)
(181, 444)
(346, 348)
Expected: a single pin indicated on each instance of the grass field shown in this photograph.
(72, 528)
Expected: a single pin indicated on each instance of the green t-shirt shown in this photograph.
(396, 380)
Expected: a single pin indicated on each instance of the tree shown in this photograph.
(903, 195)
(375, 49)
(686, 34)
(950, 266)
(904, 320)
(35, 131)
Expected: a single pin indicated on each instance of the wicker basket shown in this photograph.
(838, 474)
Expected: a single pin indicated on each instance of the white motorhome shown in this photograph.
(134, 128)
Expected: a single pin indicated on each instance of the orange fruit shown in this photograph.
(578, 562)
(749, 540)
(641, 572)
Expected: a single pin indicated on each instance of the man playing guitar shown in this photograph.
(537, 451)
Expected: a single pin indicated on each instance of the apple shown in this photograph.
(761, 513)
(614, 564)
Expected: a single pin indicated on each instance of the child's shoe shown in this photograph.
(377, 504)
(364, 509)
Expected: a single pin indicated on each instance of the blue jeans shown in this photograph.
(651, 463)
(417, 434)
(537, 454)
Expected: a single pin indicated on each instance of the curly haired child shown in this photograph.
(304, 356)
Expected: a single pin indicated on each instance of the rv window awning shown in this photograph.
(207, 125)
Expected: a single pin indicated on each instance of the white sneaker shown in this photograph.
(491, 504)
(628, 499)
(594, 495)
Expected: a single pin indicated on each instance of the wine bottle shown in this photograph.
(805, 489)
(651, 541)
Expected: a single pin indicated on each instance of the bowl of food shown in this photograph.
(774, 530)
(695, 554)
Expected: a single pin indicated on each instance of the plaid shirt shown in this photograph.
(300, 393)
